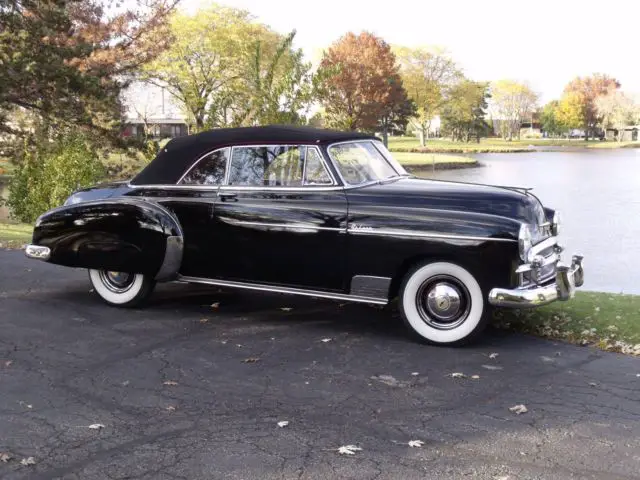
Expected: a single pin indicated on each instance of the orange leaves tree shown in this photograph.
(358, 83)
(65, 62)
(587, 90)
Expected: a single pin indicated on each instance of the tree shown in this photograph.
(428, 74)
(463, 116)
(590, 88)
(206, 60)
(68, 60)
(512, 103)
(358, 82)
(278, 84)
(616, 110)
(549, 119)
(571, 111)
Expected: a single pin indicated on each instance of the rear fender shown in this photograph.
(120, 234)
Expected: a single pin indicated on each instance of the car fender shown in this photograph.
(119, 234)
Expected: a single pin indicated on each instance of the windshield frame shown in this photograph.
(382, 151)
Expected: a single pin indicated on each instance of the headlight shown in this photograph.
(555, 224)
(525, 241)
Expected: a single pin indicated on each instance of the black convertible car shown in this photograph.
(318, 213)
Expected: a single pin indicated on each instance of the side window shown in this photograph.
(210, 170)
(315, 172)
(273, 166)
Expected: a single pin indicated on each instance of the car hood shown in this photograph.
(509, 202)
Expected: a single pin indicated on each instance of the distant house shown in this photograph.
(629, 134)
(156, 127)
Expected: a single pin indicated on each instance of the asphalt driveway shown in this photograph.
(185, 390)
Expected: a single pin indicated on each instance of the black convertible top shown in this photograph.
(180, 153)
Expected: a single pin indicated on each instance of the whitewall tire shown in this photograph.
(442, 303)
(121, 289)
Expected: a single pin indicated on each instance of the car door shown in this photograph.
(281, 218)
(193, 200)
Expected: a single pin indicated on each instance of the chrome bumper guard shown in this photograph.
(567, 278)
(37, 252)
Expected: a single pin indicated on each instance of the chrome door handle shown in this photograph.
(227, 196)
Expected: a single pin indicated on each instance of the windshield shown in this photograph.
(364, 161)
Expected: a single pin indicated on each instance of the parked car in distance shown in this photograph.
(317, 213)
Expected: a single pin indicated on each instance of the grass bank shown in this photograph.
(497, 145)
(603, 320)
(412, 159)
(14, 235)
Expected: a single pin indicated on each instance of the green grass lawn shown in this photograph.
(608, 321)
(498, 144)
(426, 159)
(14, 235)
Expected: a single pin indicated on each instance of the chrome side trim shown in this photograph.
(37, 252)
(288, 290)
(172, 259)
(409, 233)
(292, 226)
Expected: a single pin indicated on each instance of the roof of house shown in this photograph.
(180, 153)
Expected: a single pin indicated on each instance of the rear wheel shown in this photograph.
(442, 303)
(121, 289)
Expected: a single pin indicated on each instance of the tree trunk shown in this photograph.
(385, 134)
(422, 137)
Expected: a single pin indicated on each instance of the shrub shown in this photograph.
(49, 171)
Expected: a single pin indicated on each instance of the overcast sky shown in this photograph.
(545, 42)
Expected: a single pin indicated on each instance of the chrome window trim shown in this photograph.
(335, 165)
(289, 290)
(323, 161)
(227, 187)
(202, 157)
(415, 234)
(301, 146)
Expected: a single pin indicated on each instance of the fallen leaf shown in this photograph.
(475, 377)
(170, 383)
(518, 409)
(8, 363)
(215, 305)
(491, 367)
(503, 477)
(5, 457)
(28, 461)
(457, 375)
(224, 342)
(349, 450)
(493, 355)
(204, 320)
(547, 359)
(416, 443)
(96, 426)
(286, 309)
(593, 384)
(325, 340)
(389, 380)
(283, 423)
(170, 408)
(251, 360)
(125, 383)
(415, 374)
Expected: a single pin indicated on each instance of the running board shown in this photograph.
(289, 290)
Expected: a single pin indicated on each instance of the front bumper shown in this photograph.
(567, 278)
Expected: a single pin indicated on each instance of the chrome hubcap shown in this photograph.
(443, 302)
(117, 282)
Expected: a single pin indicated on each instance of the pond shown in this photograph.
(598, 195)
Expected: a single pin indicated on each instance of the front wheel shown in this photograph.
(442, 303)
(121, 289)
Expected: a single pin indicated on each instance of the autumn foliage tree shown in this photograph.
(358, 82)
(66, 61)
(588, 89)
(512, 103)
